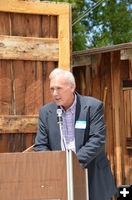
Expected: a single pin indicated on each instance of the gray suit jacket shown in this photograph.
(89, 143)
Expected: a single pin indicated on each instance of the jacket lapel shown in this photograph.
(54, 129)
(80, 117)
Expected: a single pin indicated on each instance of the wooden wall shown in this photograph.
(101, 73)
(32, 40)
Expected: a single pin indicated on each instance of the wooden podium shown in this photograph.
(50, 175)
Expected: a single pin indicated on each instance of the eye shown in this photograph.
(52, 89)
(58, 88)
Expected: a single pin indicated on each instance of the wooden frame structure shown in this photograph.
(58, 46)
(28, 53)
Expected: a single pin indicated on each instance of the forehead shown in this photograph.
(58, 80)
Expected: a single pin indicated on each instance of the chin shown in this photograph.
(58, 103)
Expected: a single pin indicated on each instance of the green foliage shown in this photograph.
(108, 24)
(113, 23)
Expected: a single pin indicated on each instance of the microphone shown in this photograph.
(60, 121)
(59, 115)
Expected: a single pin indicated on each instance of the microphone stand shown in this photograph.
(63, 147)
(59, 121)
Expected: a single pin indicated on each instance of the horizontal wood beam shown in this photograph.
(101, 50)
(31, 7)
(81, 61)
(126, 54)
(28, 48)
(18, 124)
(91, 60)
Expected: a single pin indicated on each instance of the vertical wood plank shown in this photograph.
(4, 23)
(130, 69)
(49, 29)
(5, 80)
(5, 87)
(124, 75)
(32, 85)
(116, 105)
(131, 111)
(48, 67)
(3, 143)
(130, 169)
(29, 140)
(88, 80)
(79, 73)
(105, 82)
(27, 87)
(125, 131)
(25, 25)
(5, 71)
(96, 84)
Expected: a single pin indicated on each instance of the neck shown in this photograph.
(70, 103)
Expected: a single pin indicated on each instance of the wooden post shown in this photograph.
(64, 39)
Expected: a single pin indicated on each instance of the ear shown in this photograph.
(73, 88)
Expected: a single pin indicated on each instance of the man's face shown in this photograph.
(62, 92)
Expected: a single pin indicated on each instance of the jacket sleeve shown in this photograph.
(41, 140)
(96, 141)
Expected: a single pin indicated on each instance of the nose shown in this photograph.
(54, 92)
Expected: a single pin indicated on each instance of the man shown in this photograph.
(83, 131)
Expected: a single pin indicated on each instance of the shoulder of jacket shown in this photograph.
(89, 100)
(47, 107)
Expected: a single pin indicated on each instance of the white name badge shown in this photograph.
(80, 124)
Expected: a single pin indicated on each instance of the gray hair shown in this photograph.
(68, 75)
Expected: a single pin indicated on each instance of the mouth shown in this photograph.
(57, 100)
